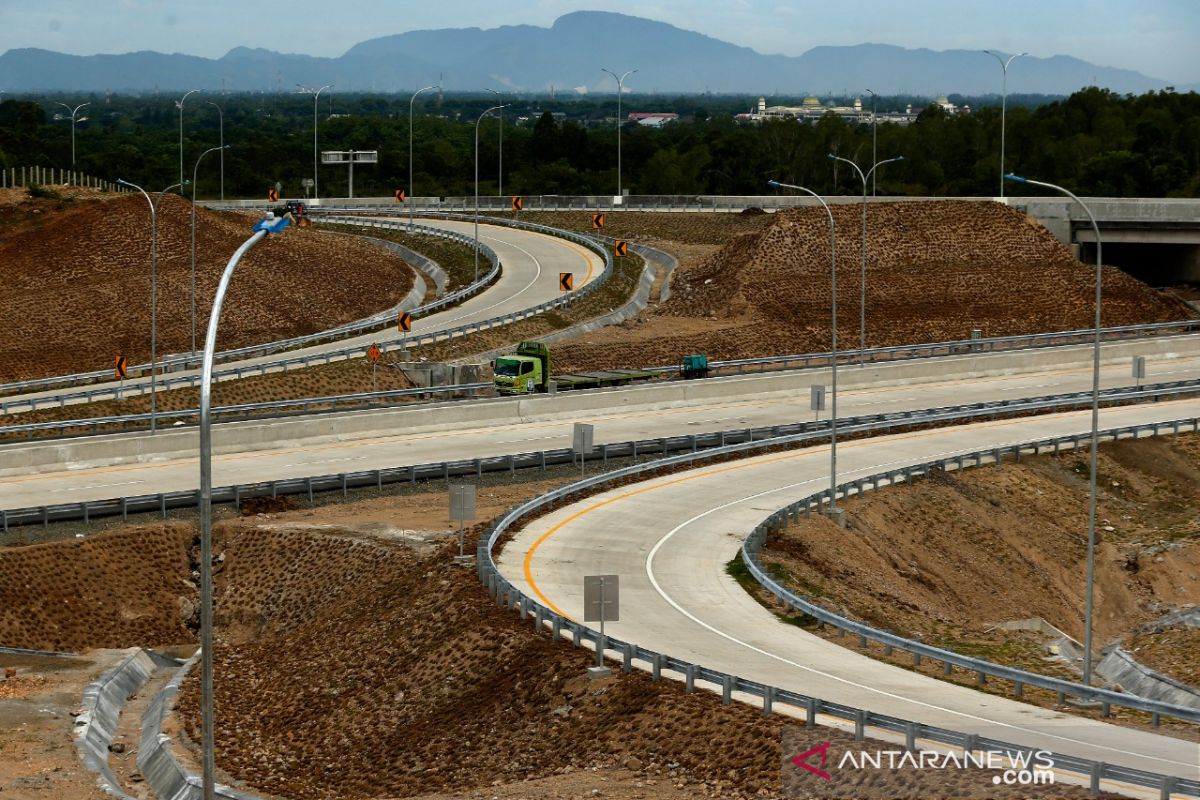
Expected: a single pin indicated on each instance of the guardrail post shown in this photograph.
(45, 516)
(524, 608)
(916, 659)
(555, 627)
(577, 636)
(689, 675)
(887, 649)
(1105, 709)
(543, 455)
(972, 743)
(1018, 690)
(947, 668)
(1060, 698)
(860, 725)
(726, 689)
(124, 509)
(810, 712)
(1097, 772)
(1155, 719)
(656, 667)
(162, 505)
(1164, 791)
(910, 737)
(627, 658)
(980, 678)
(862, 641)
(512, 464)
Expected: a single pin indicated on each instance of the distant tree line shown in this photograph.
(1095, 142)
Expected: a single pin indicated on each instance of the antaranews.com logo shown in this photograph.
(855, 769)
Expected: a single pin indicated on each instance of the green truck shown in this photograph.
(528, 371)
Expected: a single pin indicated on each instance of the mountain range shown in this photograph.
(567, 57)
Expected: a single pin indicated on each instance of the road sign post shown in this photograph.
(462, 508)
(817, 401)
(581, 442)
(601, 603)
(1139, 369)
(373, 355)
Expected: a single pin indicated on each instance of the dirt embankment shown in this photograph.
(77, 281)
(355, 661)
(935, 271)
(945, 558)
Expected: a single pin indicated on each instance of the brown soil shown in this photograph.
(356, 661)
(945, 558)
(1173, 651)
(936, 271)
(77, 275)
(38, 759)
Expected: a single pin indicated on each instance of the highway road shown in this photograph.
(669, 540)
(532, 263)
(68, 481)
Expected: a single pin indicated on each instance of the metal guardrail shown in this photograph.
(373, 322)
(331, 403)
(753, 545)
(328, 356)
(719, 445)
(508, 595)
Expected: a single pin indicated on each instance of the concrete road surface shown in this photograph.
(669, 540)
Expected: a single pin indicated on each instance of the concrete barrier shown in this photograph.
(1121, 668)
(102, 704)
(233, 437)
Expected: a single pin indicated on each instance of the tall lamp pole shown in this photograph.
(620, 91)
(412, 100)
(1091, 532)
(74, 111)
(206, 583)
(481, 116)
(500, 169)
(153, 297)
(1003, 105)
(862, 300)
(316, 96)
(833, 509)
(179, 105)
(221, 142)
(874, 137)
(195, 174)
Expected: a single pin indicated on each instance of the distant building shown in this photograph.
(811, 110)
(652, 119)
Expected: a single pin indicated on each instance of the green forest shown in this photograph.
(1094, 142)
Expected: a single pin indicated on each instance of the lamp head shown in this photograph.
(899, 158)
(773, 183)
(1014, 178)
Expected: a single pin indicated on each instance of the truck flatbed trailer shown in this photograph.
(593, 380)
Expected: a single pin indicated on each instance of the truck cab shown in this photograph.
(518, 374)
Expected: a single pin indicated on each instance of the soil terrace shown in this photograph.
(947, 557)
(77, 280)
(936, 270)
(355, 661)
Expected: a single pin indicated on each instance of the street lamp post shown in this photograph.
(874, 137)
(316, 96)
(620, 90)
(179, 104)
(862, 300)
(206, 583)
(1091, 532)
(74, 111)
(833, 509)
(410, 151)
(222, 148)
(153, 297)
(1003, 105)
(195, 175)
(500, 169)
(481, 116)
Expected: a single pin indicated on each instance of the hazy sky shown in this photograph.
(1160, 38)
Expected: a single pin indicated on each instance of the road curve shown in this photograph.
(670, 538)
(532, 262)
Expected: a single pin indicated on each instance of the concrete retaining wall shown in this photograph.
(24, 458)
(102, 704)
(1121, 668)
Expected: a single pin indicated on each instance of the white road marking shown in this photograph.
(93, 486)
(871, 470)
(325, 461)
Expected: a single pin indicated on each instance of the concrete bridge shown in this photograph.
(1156, 240)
